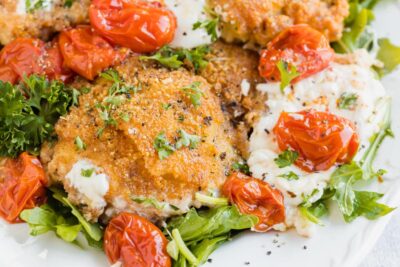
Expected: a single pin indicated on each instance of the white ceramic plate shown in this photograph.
(337, 244)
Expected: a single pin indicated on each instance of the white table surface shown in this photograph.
(386, 252)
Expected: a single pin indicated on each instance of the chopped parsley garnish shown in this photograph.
(166, 106)
(33, 5)
(289, 176)
(242, 167)
(68, 3)
(286, 158)
(286, 75)
(80, 145)
(116, 97)
(187, 140)
(175, 58)
(211, 27)
(87, 172)
(28, 113)
(163, 146)
(347, 101)
(194, 92)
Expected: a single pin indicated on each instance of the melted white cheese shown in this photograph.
(92, 188)
(320, 92)
(188, 13)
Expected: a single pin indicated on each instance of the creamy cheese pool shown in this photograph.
(320, 92)
(93, 187)
(188, 13)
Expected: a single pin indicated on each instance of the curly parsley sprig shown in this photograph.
(28, 113)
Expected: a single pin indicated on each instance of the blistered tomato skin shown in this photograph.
(135, 242)
(22, 186)
(26, 56)
(322, 139)
(256, 197)
(139, 25)
(300, 46)
(87, 53)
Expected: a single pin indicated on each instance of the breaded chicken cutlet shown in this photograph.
(141, 161)
(233, 75)
(39, 20)
(258, 21)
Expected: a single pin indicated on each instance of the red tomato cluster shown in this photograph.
(321, 138)
(255, 197)
(139, 25)
(22, 186)
(26, 56)
(135, 242)
(300, 46)
(87, 53)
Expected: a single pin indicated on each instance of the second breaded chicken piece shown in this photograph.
(233, 73)
(41, 19)
(258, 21)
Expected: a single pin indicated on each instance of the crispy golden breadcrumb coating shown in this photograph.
(126, 151)
(233, 74)
(258, 21)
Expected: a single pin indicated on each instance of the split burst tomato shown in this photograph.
(321, 138)
(300, 46)
(140, 25)
(22, 186)
(26, 56)
(255, 197)
(87, 53)
(135, 242)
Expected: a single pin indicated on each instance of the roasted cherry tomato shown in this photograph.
(300, 46)
(26, 56)
(140, 25)
(321, 138)
(135, 242)
(87, 53)
(255, 197)
(22, 186)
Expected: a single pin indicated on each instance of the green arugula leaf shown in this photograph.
(342, 181)
(241, 167)
(194, 92)
(187, 140)
(365, 205)
(389, 55)
(357, 35)
(313, 211)
(62, 218)
(286, 158)
(347, 101)
(210, 200)
(149, 202)
(286, 75)
(198, 233)
(289, 176)
(211, 27)
(162, 146)
(175, 58)
(28, 113)
(359, 203)
(385, 131)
